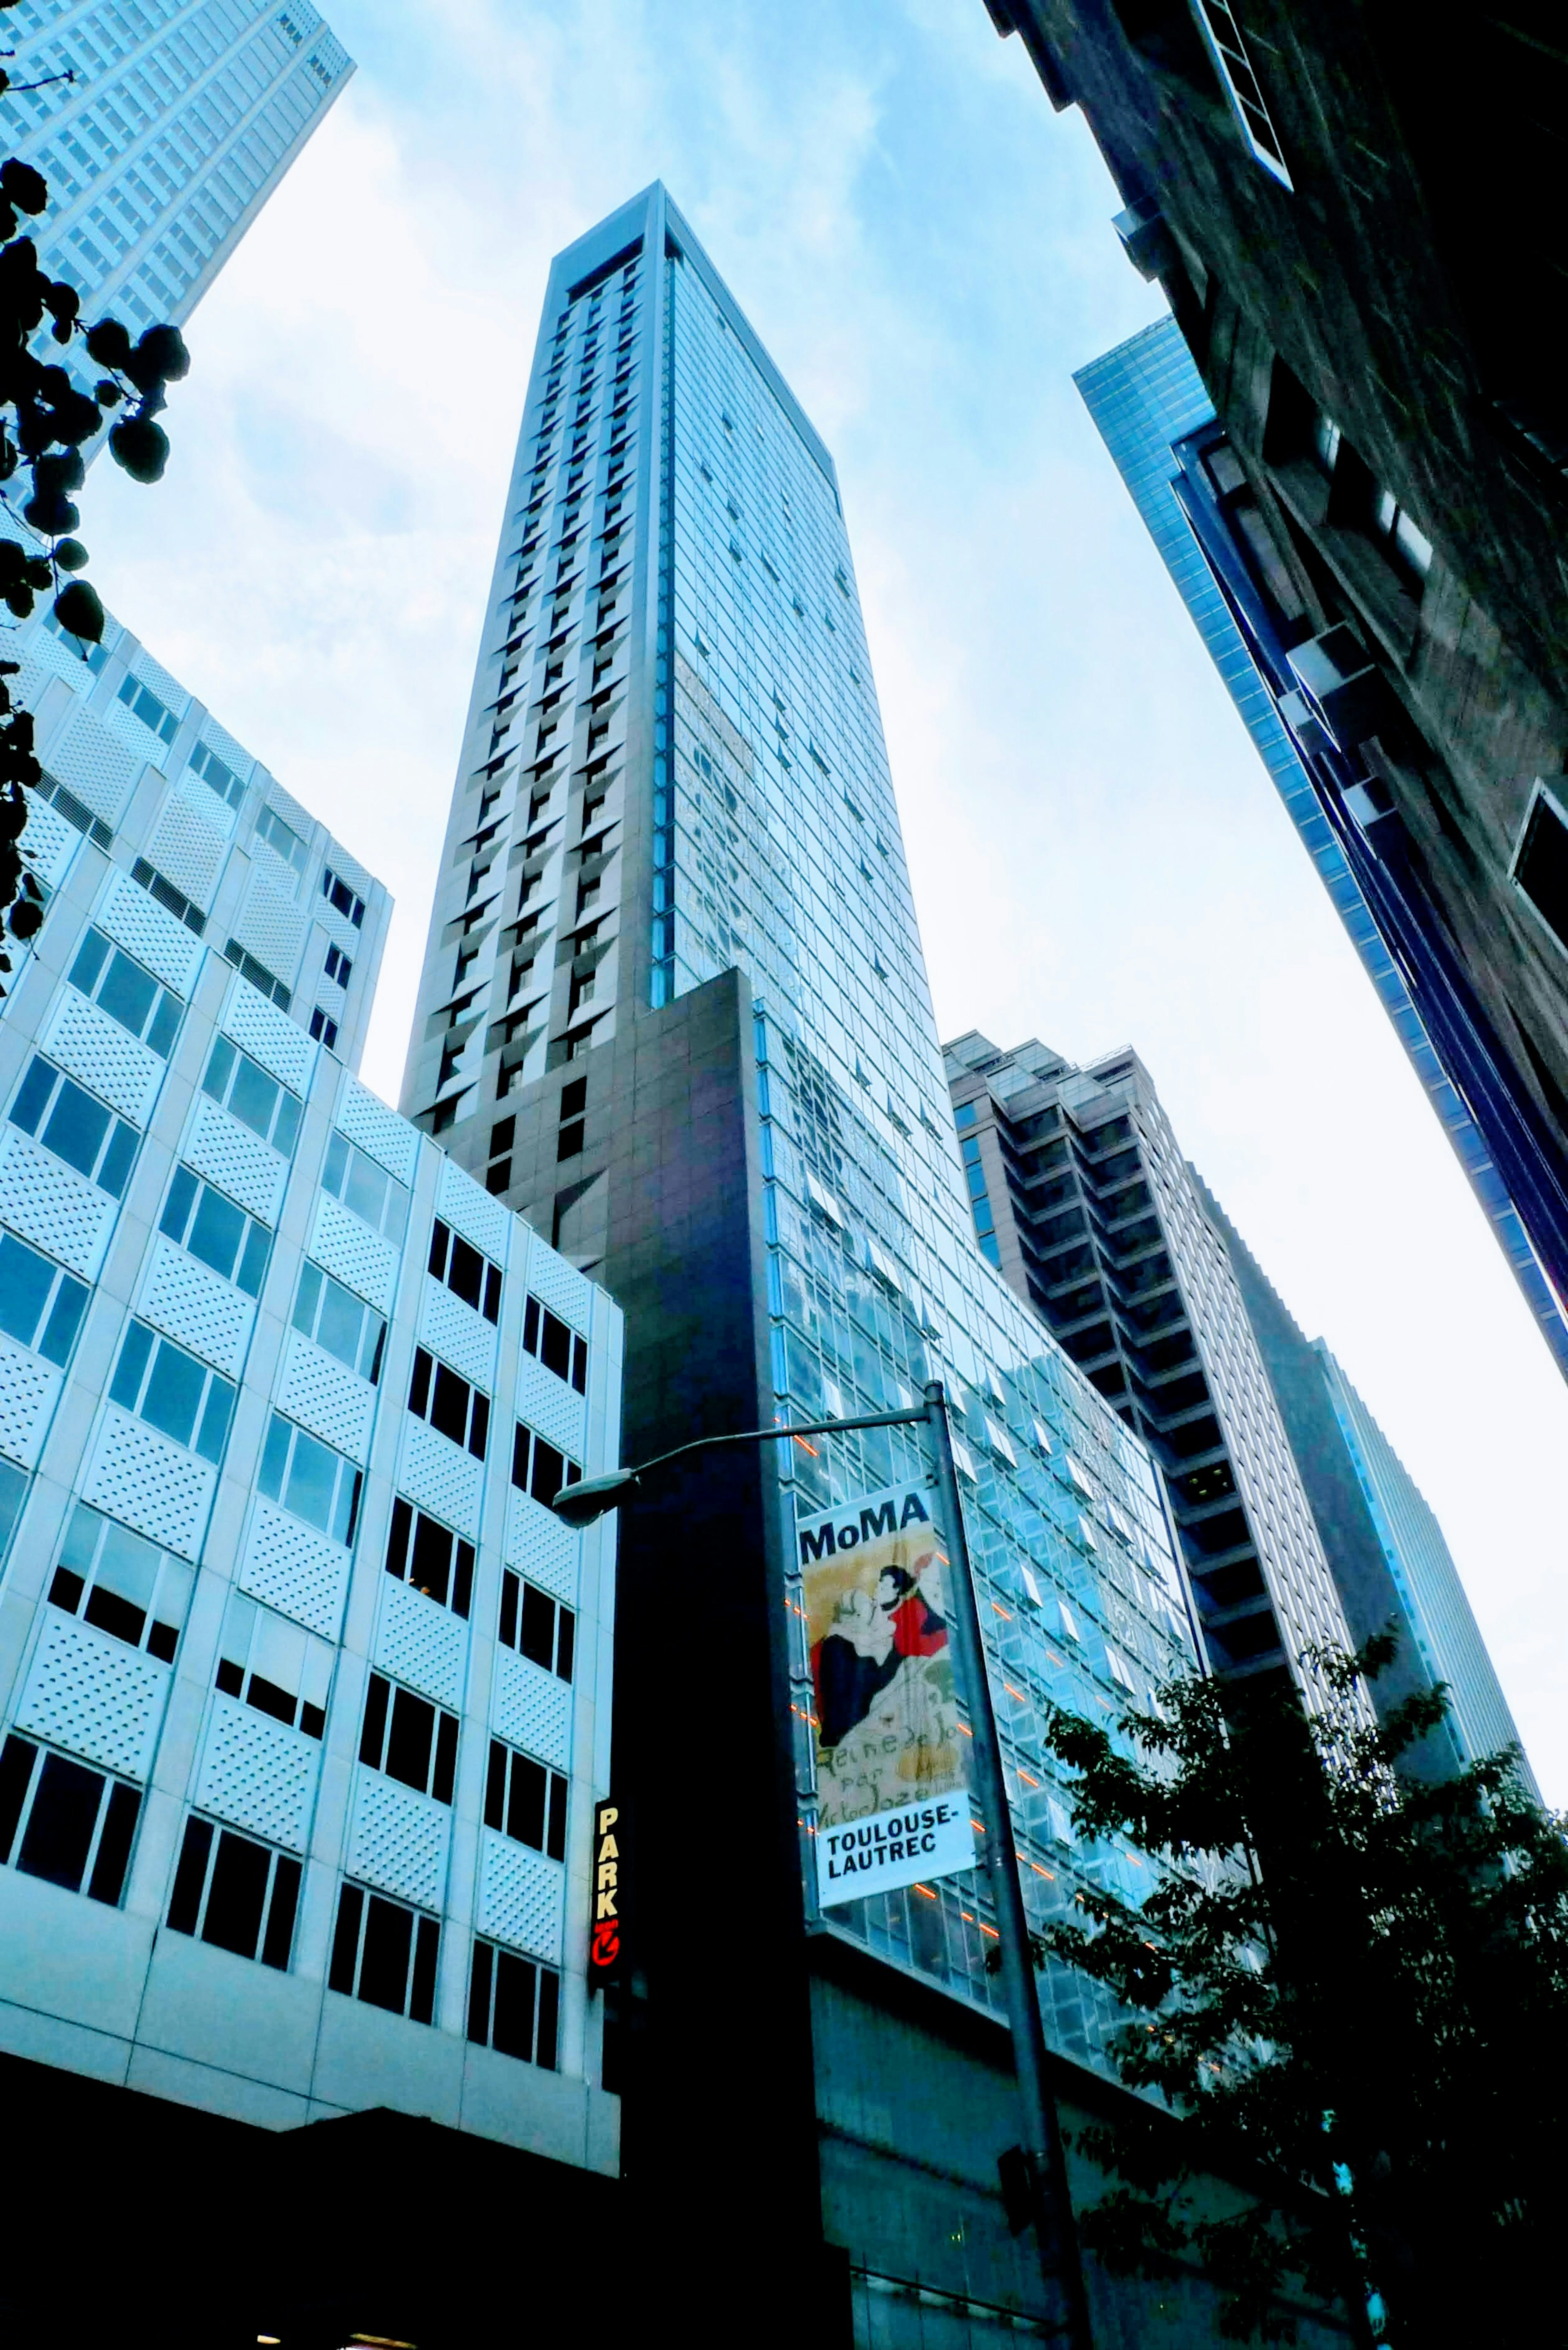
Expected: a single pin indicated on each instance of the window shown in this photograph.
(538, 1626)
(258, 1101)
(39, 1305)
(310, 1479)
(274, 1666)
(173, 1392)
(384, 1954)
(514, 2006)
(338, 894)
(429, 1555)
(466, 1273)
(538, 1468)
(1410, 549)
(337, 1320)
(338, 967)
(217, 777)
(127, 993)
(324, 1028)
(122, 1583)
(282, 840)
(266, 983)
(155, 714)
(558, 1349)
(408, 1738)
(235, 1894)
(1541, 863)
(203, 1220)
(964, 1115)
(376, 1197)
(75, 1125)
(64, 1823)
(1228, 48)
(13, 1493)
(450, 1404)
(524, 1800)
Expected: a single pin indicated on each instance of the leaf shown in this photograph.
(71, 555)
(140, 446)
(109, 343)
(26, 919)
(79, 613)
(23, 187)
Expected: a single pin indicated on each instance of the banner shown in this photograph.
(892, 1802)
(603, 1924)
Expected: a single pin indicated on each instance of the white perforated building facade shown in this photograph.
(304, 1691)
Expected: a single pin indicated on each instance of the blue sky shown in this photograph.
(1098, 857)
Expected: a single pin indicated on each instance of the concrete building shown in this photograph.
(1353, 226)
(303, 1691)
(1156, 419)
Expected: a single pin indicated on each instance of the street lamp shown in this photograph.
(592, 1497)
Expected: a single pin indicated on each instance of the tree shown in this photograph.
(1353, 1987)
(44, 420)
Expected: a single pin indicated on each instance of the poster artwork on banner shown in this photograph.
(892, 1800)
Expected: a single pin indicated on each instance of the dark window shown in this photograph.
(538, 1626)
(339, 1321)
(514, 2005)
(338, 967)
(75, 1125)
(127, 993)
(122, 1583)
(538, 1468)
(256, 1099)
(524, 1800)
(274, 1665)
(574, 1099)
(422, 1551)
(39, 1305)
(557, 1345)
(237, 1894)
(67, 1824)
(338, 893)
(324, 1028)
(173, 1391)
(458, 1410)
(384, 1954)
(309, 1479)
(208, 1223)
(467, 1273)
(1541, 867)
(408, 1738)
(354, 1177)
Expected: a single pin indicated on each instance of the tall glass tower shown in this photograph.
(161, 126)
(674, 1009)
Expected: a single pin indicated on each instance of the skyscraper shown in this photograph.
(673, 1008)
(161, 126)
(1151, 408)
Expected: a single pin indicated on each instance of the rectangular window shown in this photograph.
(377, 1198)
(282, 840)
(324, 1028)
(1541, 863)
(339, 969)
(310, 1479)
(538, 1468)
(557, 1346)
(524, 1800)
(203, 1219)
(514, 2006)
(274, 1666)
(467, 1273)
(217, 776)
(384, 1954)
(75, 1125)
(449, 1403)
(338, 894)
(258, 1100)
(236, 1894)
(64, 1823)
(173, 1392)
(408, 1738)
(109, 978)
(40, 1305)
(155, 714)
(538, 1626)
(338, 1321)
(422, 1552)
(122, 1583)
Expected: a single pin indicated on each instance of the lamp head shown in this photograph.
(591, 1497)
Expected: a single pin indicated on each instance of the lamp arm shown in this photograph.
(916, 1418)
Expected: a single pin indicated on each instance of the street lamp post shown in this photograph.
(1045, 2159)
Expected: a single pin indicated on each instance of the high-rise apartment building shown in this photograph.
(1080, 1196)
(304, 1691)
(161, 128)
(1156, 419)
(673, 1009)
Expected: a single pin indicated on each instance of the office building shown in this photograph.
(1156, 419)
(1353, 227)
(673, 1009)
(303, 1691)
(1080, 1196)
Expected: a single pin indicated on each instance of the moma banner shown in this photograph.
(892, 1799)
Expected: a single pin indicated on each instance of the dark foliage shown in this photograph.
(1353, 1986)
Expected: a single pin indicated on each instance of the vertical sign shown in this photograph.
(892, 1797)
(604, 1928)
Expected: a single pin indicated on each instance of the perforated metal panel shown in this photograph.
(422, 1643)
(188, 849)
(268, 1035)
(93, 1695)
(28, 1387)
(458, 1335)
(326, 1397)
(350, 869)
(533, 1708)
(541, 1547)
(258, 1773)
(294, 1569)
(271, 927)
(398, 1840)
(52, 1205)
(380, 1130)
(233, 754)
(238, 1161)
(298, 820)
(155, 1486)
(196, 1307)
(47, 842)
(560, 1286)
(150, 932)
(548, 1404)
(99, 770)
(107, 1058)
(168, 688)
(521, 1896)
(354, 1254)
(470, 1208)
(201, 796)
(440, 1477)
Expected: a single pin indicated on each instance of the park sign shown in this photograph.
(892, 1799)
